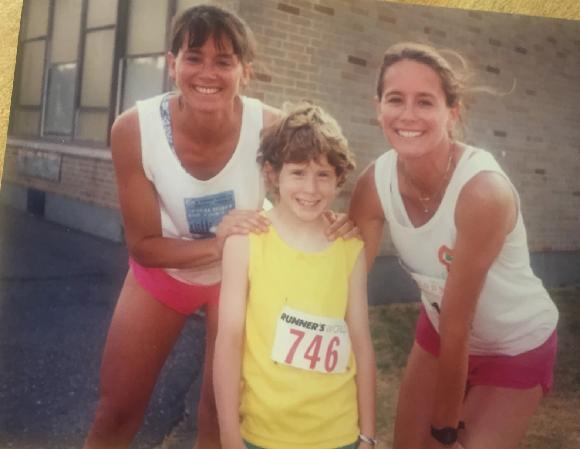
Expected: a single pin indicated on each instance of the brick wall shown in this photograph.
(329, 51)
(91, 180)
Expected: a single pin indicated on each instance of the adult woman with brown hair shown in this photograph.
(485, 341)
(187, 178)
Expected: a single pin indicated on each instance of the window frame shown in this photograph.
(22, 41)
(46, 105)
(124, 57)
(118, 75)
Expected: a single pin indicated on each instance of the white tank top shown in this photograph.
(514, 312)
(192, 208)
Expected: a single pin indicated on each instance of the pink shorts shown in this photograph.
(522, 371)
(179, 296)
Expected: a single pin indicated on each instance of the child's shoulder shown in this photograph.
(259, 237)
(351, 249)
(257, 243)
(353, 245)
(236, 244)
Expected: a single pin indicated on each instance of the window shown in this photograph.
(102, 13)
(60, 101)
(62, 71)
(144, 62)
(27, 96)
(96, 79)
(65, 70)
(81, 62)
(144, 77)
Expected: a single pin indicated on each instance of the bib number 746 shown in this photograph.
(311, 342)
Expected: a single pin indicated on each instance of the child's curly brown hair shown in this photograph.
(305, 133)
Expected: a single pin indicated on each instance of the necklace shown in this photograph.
(426, 199)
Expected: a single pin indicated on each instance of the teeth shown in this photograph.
(206, 90)
(307, 203)
(402, 133)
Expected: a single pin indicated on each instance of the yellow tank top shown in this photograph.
(284, 407)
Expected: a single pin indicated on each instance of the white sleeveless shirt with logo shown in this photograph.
(192, 208)
(514, 312)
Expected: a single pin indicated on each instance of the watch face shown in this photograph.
(445, 435)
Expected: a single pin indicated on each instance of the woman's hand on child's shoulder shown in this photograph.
(242, 222)
(340, 225)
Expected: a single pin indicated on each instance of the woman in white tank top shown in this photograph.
(485, 341)
(187, 178)
(209, 62)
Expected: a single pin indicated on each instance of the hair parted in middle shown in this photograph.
(453, 79)
(305, 133)
(198, 23)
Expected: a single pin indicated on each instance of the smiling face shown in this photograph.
(208, 77)
(305, 190)
(413, 111)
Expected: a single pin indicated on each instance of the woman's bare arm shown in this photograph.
(367, 213)
(141, 215)
(486, 212)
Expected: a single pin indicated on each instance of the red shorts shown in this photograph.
(179, 296)
(522, 371)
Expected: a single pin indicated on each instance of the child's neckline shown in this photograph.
(290, 246)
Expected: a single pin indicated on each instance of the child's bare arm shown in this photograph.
(362, 346)
(230, 338)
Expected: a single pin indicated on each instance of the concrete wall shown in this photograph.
(75, 214)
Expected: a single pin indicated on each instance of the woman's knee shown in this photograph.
(415, 400)
(114, 412)
(207, 423)
(207, 410)
(207, 405)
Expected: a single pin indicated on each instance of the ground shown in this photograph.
(554, 426)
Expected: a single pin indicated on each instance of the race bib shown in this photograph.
(311, 342)
(431, 295)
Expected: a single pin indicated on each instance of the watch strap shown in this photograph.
(447, 435)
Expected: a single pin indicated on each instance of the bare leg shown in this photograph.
(142, 333)
(498, 417)
(416, 400)
(207, 424)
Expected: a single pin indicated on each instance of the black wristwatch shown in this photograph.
(447, 435)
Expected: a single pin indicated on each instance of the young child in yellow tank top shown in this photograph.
(294, 365)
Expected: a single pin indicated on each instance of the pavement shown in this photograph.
(58, 288)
